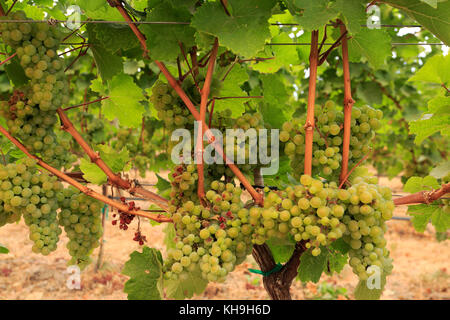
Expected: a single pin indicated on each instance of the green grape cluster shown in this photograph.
(183, 179)
(80, 216)
(28, 192)
(214, 238)
(124, 138)
(193, 92)
(169, 107)
(211, 240)
(242, 145)
(368, 206)
(94, 132)
(226, 58)
(32, 120)
(328, 138)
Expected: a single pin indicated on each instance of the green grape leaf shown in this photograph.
(282, 56)
(441, 170)
(370, 92)
(169, 236)
(116, 160)
(439, 105)
(15, 72)
(108, 64)
(99, 10)
(354, 12)
(244, 32)
(274, 90)
(280, 179)
(340, 245)
(420, 221)
(311, 268)
(281, 249)
(163, 40)
(192, 283)
(273, 115)
(362, 292)
(162, 184)
(115, 37)
(422, 214)
(32, 11)
(3, 249)
(435, 70)
(336, 262)
(124, 101)
(432, 3)
(97, 86)
(428, 125)
(312, 15)
(416, 184)
(232, 88)
(145, 272)
(440, 220)
(92, 173)
(434, 19)
(374, 45)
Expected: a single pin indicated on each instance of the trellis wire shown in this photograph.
(52, 21)
(184, 23)
(329, 44)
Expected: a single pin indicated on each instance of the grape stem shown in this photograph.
(117, 4)
(310, 123)
(350, 172)
(85, 104)
(9, 58)
(203, 104)
(112, 177)
(191, 69)
(10, 8)
(423, 196)
(194, 60)
(74, 49)
(348, 104)
(321, 134)
(225, 5)
(89, 192)
(258, 198)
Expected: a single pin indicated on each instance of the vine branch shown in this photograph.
(205, 91)
(348, 104)
(310, 123)
(112, 177)
(423, 196)
(89, 192)
(175, 85)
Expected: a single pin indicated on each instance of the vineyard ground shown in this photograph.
(421, 267)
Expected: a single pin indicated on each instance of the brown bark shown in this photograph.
(348, 104)
(309, 125)
(278, 283)
(423, 196)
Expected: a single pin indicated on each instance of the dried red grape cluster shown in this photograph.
(139, 238)
(125, 218)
